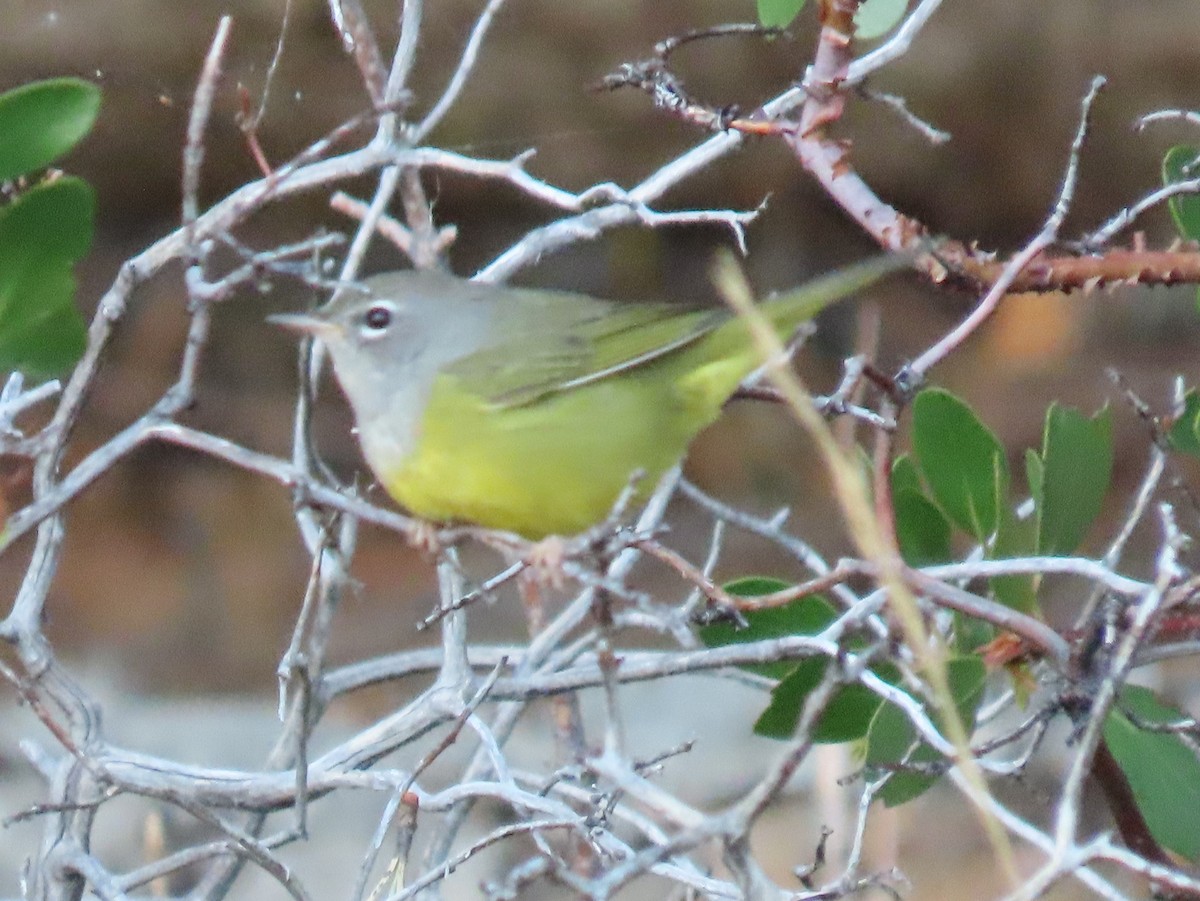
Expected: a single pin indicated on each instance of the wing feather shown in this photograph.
(550, 341)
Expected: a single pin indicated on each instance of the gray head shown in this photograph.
(390, 337)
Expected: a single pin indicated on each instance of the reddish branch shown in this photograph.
(1132, 826)
(956, 263)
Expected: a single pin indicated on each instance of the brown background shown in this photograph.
(182, 576)
(173, 558)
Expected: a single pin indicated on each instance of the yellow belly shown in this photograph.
(555, 466)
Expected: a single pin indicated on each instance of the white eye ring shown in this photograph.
(378, 317)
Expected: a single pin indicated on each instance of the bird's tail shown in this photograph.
(731, 351)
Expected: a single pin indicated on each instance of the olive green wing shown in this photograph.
(549, 341)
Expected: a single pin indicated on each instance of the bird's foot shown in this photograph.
(545, 560)
(423, 535)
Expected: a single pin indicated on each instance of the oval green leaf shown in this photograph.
(50, 220)
(890, 742)
(43, 335)
(778, 13)
(42, 233)
(39, 122)
(905, 475)
(1034, 475)
(922, 531)
(806, 616)
(1015, 538)
(963, 462)
(847, 717)
(1162, 770)
(875, 18)
(891, 737)
(1182, 163)
(1077, 460)
(1184, 434)
(755, 586)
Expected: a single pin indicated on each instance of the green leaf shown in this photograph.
(890, 740)
(1077, 459)
(848, 714)
(756, 586)
(1162, 770)
(875, 18)
(806, 616)
(52, 219)
(891, 736)
(922, 530)
(905, 475)
(962, 461)
(39, 122)
(1015, 538)
(42, 233)
(778, 13)
(1180, 164)
(1184, 434)
(783, 712)
(847, 717)
(46, 336)
(1034, 474)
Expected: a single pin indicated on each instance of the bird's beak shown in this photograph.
(304, 324)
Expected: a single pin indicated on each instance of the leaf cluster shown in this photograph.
(953, 499)
(46, 225)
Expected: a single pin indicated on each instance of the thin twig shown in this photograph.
(193, 152)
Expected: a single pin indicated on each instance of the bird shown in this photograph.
(529, 410)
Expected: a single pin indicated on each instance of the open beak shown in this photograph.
(304, 324)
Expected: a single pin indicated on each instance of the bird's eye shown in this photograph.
(378, 317)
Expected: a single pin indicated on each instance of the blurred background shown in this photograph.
(182, 576)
